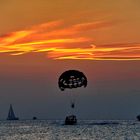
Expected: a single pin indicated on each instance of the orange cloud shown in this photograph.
(129, 52)
(70, 42)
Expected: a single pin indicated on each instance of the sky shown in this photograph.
(39, 40)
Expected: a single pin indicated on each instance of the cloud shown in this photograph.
(128, 52)
(67, 42)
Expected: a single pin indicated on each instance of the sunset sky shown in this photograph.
(40, 39)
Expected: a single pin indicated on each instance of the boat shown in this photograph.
(11, 114)
(70, 120)
(34, 118)
(138, 117)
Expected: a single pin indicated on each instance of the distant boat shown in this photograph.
(11, 114)
(138, 117)
(34, 118)
(70, 120)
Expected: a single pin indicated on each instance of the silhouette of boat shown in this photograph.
(34, 118)
(138, 117)
(11, 114)
(70, 120)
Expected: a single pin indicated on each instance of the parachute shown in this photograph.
(72, 79)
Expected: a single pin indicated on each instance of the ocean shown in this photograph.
(56, 130)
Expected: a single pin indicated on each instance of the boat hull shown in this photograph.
(71, 120)
(12, 119)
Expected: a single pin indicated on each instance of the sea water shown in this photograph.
(56, 130)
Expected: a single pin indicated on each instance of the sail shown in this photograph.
(11, 114)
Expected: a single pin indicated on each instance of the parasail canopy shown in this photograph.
(72, 79)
